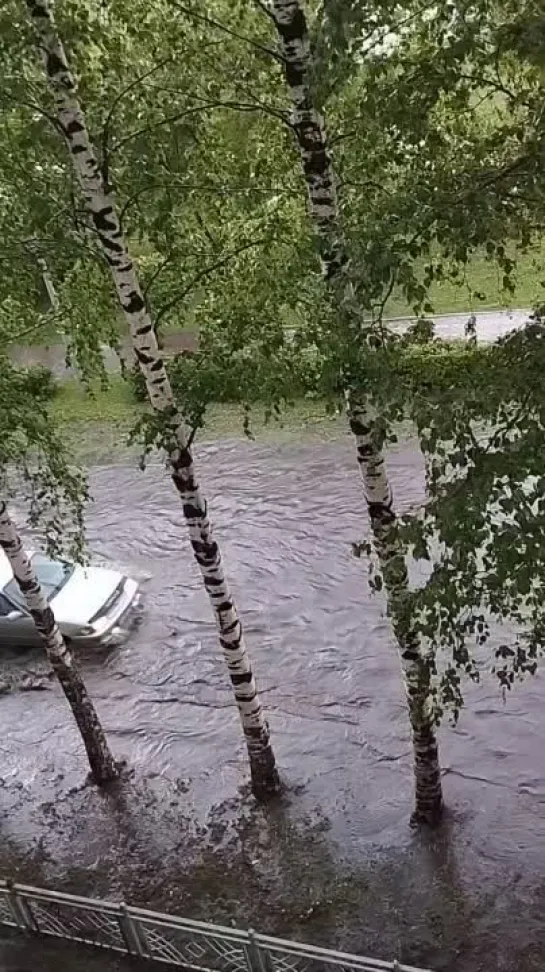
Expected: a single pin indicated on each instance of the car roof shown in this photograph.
(6, 572)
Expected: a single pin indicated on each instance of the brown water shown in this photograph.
(334, 862)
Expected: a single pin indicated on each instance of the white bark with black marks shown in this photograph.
(48, 285)
(101, 205)
(310, 131)
(416, 664)
(309, 127)
(101, 761)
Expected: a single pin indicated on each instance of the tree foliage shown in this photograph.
(35, 466)
(436, 124)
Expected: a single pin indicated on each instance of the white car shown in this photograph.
(92, 606)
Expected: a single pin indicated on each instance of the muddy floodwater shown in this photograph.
(334, 861)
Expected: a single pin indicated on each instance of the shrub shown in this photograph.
(41, 383)
(136, 382)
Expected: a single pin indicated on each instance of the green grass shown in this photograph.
(97, 426)
(482, 277)
(73, 404)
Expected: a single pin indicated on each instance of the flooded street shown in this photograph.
(334, 862)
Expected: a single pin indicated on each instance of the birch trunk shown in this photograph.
(101, 761)
(49, 285)
(102, 208)
(309, 127)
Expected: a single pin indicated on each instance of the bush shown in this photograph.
(247, 377)
(40, 383)
(137, 383)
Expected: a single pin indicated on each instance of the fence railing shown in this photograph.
(193, 945)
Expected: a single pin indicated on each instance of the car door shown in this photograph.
(16, 626)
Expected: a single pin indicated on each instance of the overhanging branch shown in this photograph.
(219, 25)
(205, 272)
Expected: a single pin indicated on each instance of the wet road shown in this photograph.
(335, 862)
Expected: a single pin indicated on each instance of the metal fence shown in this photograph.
(193, 945)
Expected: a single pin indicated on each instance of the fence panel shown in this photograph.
(192, 945)
(76, 919)
(296, 957)
(6, 914)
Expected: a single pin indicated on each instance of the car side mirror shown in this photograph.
(14, 615)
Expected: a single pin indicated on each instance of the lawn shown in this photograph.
(98, 426)
(482, 277)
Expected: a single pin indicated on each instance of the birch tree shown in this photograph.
(417, 666)
(35, 466)
(462, 98)
(172, 432)
(101, 761)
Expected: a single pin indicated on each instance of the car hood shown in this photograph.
(84, 594)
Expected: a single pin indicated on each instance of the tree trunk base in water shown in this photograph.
(104, 773)
(266, 781)
(429, 815)
(428, 792)
(104, 768)
(113, 774)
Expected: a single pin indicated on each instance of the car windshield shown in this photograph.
(52, 575)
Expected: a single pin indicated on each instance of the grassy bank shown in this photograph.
(98, 425)
(483, 278)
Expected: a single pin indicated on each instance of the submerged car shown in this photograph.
(92, 606)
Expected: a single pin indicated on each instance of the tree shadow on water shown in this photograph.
(448, 924)
(278, 869)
